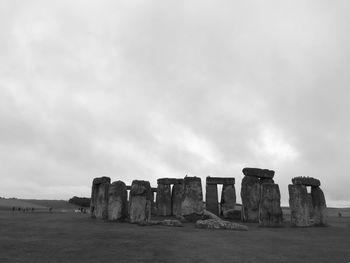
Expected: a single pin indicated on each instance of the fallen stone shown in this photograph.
(176, 197)
(209, 215)
(228, 200)
(117, 201)
(233, 214)
(211, 198)
(220, 180)
(299, 206)
(220, 224)
(99, 197)
(163, 199)
(308, 181)
(257, 172)
(140, 201)
(319, 204)
(250, 195)
(192, 199)
(270, 212)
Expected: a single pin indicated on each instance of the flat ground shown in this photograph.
(75, 237)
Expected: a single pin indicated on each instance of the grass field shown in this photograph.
(75, 237)
(38, 205)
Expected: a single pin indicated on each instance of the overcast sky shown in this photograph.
(151, 89)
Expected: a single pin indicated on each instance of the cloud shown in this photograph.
(147, 90)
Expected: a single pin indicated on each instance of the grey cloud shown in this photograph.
(140, 90)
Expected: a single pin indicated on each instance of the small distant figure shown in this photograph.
(33, 209)
(50, 209)
(339, 214)
(13, 209)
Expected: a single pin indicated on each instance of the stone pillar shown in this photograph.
(270, 212)
(319, 203)
(299, 205)
(228, 200)
(192, 200)
(163, 202)
(99, 197)
(211, 199)
(176, 197)
(140, 201)
(117, 201)
(250, 194)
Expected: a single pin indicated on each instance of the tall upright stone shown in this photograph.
(299, 205)
(319, 204)
(163, 198)
(250, 195)
(176, 197)
(140, 202)
(228, 200)
(117, 201)
(192, 199)
(270, 212)
(99, 197)
(211, 198)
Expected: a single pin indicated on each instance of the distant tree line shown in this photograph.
(80, 201)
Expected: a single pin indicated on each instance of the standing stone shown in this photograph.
(270, 212)
(299, 205)
(250, 194)
(228, 201)
(319, 203)
(99, 197)
(140, 201)
(117, 201)
(211, 199)
(163, 200)
(192, 200)
(176, 197)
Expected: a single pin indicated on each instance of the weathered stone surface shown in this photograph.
(154, 189)
(140, 201)
(163, 200)
(270, 212)
(176, 197)
(220, 224)
(319, 204)
(299, 206)
(228, 200)
(99, 197)
(266, 180)
(117, 201)
(192, 199)
(128, 187)
(250, 194)
(221, 180)
(169, 180)
(209, 215)
(308, 181)
(211, 198)
(257, 172)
